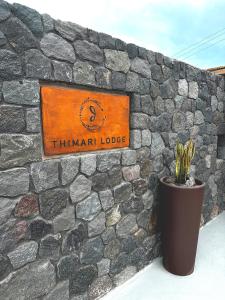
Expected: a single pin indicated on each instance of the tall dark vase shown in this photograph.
(181, 214)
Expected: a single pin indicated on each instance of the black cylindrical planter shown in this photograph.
(181, 214)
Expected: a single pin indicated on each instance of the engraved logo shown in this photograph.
(92, 115)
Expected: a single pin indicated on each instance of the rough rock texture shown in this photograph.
(19, 149)
(56, 47)
(34, 280)
(75, 226)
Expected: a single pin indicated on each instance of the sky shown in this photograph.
(168, 26)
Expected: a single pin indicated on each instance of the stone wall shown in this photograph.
(76, 226)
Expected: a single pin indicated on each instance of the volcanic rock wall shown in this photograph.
(75, 226)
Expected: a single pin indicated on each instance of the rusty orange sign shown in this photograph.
(81, 120)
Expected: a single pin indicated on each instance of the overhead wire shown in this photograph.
(204, 48)
(206, 40)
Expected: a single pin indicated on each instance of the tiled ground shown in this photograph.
(207, 282)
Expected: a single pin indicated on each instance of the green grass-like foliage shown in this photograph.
(184, 156)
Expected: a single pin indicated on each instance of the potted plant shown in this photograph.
(181, 200)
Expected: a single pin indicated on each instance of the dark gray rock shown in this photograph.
(168, 89)
(156, 72)
(107, 160)
(129, 157)
(62, 71)
(92, 251)
(119, 263)
(128, 244)
(147, 104)
(103, 77)
(52, 202)
(106, 199)
(8, 236)
(103, 267)
(93, 36)
(61, 291)
(37, 65)
(106, 41)
(146, 137)
(48, 23)
(21, 92)
(132, 50)
(137, 257)
(88, 164)
(154, 89)
(112, 249)
(67, 266)
(64, 221)
(14, 182)
(117, 60)
(70, 31)
(23, 254)
(49, 175)
(74, 238)
(70, 168)
(144, 85)
(157, 145)
(100, 181)
(33, 120)
(135, 103)
(80, 188)
(131, 173)
(122, 192)
(83, 73)
(54, 46)
(50, 246)
(118, 81)
(82, 278)
(179, 121)
(19, 149)
(88, 51)
(4, 10)
(39, 228)
(141, 67)
(132, 83)
(12, 119)
(133, 205)
(121, 45)
(6, 209)
(108, 235)
(10, 65)
(139, 121)
(3, 39)
(32, 281)
(30, 17)
(115, 176)
(162, 123)
(198, 117)
(6, 268)
(97, 225)
(143, 219)
(169, 106)
(140, 186)
(135, 139)
(18, 35)
(159, 105)
(88, 208)
(100, 286)
(126, 226)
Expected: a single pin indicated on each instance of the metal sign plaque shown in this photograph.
(81, 120)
